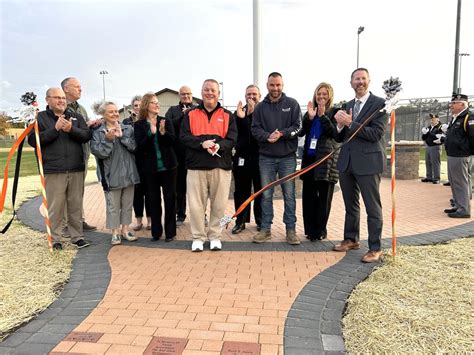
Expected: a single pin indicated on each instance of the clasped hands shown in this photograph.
(274, 136)
(62, 124)
(114, 132)
(211, 146)
(153, 126)
(343, 118)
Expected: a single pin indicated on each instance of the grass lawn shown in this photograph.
(28, 163)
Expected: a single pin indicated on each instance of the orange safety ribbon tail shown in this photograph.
(47, 222)
(392, 164)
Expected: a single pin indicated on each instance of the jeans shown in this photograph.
(269, 168)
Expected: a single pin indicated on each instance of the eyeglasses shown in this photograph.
(57, 97)
(185, 94)
(136, 105)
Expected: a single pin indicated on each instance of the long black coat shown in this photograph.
(145, 154)
(326, 171)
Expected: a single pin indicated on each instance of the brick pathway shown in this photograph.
(419, 209)
(285, 298)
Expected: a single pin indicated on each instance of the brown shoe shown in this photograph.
(373, 256)
(346, 245)
(262, 236)
(292, 238)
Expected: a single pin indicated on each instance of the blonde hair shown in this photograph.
(330, 90)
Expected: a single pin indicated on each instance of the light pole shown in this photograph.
(103, 73)
(460, 62)
(222, 85)
(359, 31)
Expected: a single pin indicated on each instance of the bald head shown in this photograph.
(185, 95)
(56, 100)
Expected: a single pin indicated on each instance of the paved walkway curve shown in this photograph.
(312, 322)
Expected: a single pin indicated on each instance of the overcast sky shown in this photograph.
(149, 45)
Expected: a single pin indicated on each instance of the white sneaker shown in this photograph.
(116, 240)
(198, 245)
(216, 244)
(130, 237)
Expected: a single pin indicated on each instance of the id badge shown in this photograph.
(313, 143)
(241, 162)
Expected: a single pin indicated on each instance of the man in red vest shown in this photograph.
(208, 133)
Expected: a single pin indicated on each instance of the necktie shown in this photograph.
(356, 110)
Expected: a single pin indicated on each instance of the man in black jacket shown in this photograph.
(432, 137)
(276, 125)
(459, 143)
(245, 162)
(62, 133)
(176, 114)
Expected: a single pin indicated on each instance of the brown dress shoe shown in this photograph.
(372, 256)
(346, 245)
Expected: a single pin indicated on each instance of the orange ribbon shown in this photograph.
(392, 164)
(13, 149)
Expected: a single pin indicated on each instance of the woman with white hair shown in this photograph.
(113, 144)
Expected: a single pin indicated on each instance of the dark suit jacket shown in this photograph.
(366, 151)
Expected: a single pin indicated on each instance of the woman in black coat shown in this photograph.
(156, 162)
(320, 128)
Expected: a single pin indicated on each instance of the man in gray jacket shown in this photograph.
(276, 125)
(72, 89)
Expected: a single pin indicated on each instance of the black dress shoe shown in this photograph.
(155, 239)
(259, 227)
(238, 228)
(426, 180)
(450, 210)
(447, 184)
(320, 236)
(435, 182)
(170, 239)
(458, 215)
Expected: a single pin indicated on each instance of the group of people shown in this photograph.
(458, 138)
(189, 157)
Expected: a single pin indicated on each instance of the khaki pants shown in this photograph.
(203, 185)
(65, 189)
(119, 207)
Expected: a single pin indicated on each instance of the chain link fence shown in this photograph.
(413, 115)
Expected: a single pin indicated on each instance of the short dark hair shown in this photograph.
(360, 69)
(274, 74)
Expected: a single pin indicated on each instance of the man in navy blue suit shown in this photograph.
(361, 163)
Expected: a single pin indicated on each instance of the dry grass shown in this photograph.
(420, 302)
(31, 278)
